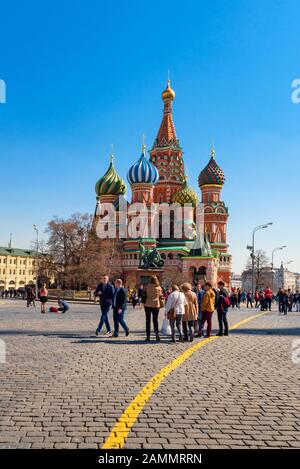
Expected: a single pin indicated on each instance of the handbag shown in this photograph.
(161, 302)
(171, 314)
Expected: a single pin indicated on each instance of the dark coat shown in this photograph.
(106, 294)
(120, 299)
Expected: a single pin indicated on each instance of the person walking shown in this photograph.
(30, 297)
(268, 298)
(208, 307)
(152, 304)
(119, 308)
(190, 313)
(175, 309)
(105, 291)
(249, 299)
(43, 294)
(256, 298)
(223, 303)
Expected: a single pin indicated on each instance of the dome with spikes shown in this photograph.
(212, 173)
(143, 171)
(186, 195)
(111, 183)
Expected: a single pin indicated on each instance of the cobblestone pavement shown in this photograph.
(63, 388)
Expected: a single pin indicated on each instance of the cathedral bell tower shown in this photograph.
(166, 154)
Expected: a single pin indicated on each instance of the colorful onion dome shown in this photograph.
(168, 93)
(186, 195)
(110, 183)
(143, 171)
(212, 173)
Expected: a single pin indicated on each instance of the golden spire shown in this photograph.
(111, 156)
(168, 93)
(212, 152)
(143, 143)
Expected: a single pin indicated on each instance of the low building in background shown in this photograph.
(236, 281)
(17, 268)
(275, 279)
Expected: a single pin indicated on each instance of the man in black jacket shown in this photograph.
(105, 291)
(119, 308)
(222, 309)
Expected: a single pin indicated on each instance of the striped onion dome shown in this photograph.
(143, 171)
(212, 173)
(186, 195)
(110, 183)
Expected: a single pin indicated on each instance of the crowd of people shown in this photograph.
(285, 299)
(187, 309)
(12, 293)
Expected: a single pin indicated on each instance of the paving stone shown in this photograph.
(58, 392)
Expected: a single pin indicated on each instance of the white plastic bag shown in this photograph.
(166, 329)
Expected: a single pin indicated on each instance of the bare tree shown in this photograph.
(79, 255)
(261, 263)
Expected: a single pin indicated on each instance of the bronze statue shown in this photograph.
(149, 258)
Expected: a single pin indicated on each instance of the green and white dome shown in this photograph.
(111, 183)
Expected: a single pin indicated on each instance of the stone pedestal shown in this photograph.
(143, 275)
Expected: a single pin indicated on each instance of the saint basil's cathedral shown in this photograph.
(161, 179)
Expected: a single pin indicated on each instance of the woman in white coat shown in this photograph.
(175, 311)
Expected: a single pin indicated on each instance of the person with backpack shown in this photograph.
(223, 303)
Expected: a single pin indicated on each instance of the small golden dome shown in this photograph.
(168, 93)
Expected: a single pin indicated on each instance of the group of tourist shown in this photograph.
(264, 298)
(12, 293)
(187, 309)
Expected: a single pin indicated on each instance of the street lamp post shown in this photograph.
(36, 260)
(272, 265)
(252, 248)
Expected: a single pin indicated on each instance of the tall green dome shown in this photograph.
(111, 183)
(186, 195)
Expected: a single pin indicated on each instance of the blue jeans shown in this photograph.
(223, 323)
(119, 319)
(104, 318)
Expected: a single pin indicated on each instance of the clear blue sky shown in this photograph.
(81, 75)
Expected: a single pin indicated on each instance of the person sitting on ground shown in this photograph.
(62, 305)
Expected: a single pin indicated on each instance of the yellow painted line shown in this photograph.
(120, 431)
